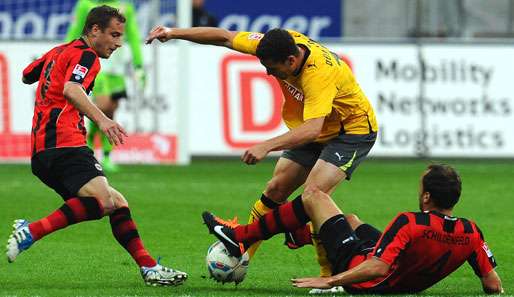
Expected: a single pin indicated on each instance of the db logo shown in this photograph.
(251, 102)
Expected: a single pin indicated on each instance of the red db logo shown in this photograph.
(251, 102)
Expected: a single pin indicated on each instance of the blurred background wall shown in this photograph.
(437, 72)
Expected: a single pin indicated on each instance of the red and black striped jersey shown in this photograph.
(425, 247)
(56, 122)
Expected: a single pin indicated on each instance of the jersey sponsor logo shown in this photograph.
(80, 71)
(487, 250)
(255, 36)
(294, 91)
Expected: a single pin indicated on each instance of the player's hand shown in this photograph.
(312, 282)
(114, 131)
(255, 154)
(160, 33)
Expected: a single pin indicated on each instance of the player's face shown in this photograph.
(108, 40)
(280, 70)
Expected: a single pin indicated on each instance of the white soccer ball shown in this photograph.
(223, 267)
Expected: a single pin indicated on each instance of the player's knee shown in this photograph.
(104, 197)
(118, 199)
(275, 191)
(311, 190)
(312, 195)
(353, 219)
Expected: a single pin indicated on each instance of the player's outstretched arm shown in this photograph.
(491, 283)
(367, 270)
(202, 35)
(32, 72)
(75, 94)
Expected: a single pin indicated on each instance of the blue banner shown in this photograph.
(35, 19)
(49, 19)
(313, 18)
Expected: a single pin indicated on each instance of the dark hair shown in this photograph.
(276, 45)
(101, 16)
(444, 185)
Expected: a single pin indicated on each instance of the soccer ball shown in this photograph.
(223, 267)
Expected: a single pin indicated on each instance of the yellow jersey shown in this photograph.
(324, 87)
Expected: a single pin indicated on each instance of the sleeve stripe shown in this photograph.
(474, 264)
(390, 234)
(87, 59)
(35, 72)
(492, 261)
(467, 226)
(51, 129)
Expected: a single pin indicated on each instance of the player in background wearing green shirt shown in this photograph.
(110, 83)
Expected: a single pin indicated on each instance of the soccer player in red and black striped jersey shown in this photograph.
(416, 250)
(60, 156)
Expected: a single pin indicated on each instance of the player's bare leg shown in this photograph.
(287, 177)
(92, 204)
(95, 200)
(324, 177)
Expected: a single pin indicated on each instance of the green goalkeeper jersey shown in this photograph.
(132, 36)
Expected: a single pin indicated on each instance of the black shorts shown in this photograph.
(342, 243)
(345, 151)
(66, 170)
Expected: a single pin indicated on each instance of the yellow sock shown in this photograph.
(258, 210)
(325, 268)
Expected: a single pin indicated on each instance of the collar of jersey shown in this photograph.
(84, 42)
(443, 216)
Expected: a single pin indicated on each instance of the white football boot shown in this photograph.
(19, 240)
(162, 276)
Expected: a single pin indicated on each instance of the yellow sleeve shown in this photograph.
(246, 42)
(319, 92)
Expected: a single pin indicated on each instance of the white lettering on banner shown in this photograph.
(32, 24)
(469, 117)
(465, 101)
(312, 26)
(297, 23)
(55, 22)
(458, 106)
(462, 138)
(447, 71)
(5, 24)
(32, 19)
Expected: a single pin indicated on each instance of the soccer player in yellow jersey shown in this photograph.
(332, 125)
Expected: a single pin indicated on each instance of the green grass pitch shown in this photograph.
(166, 202)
